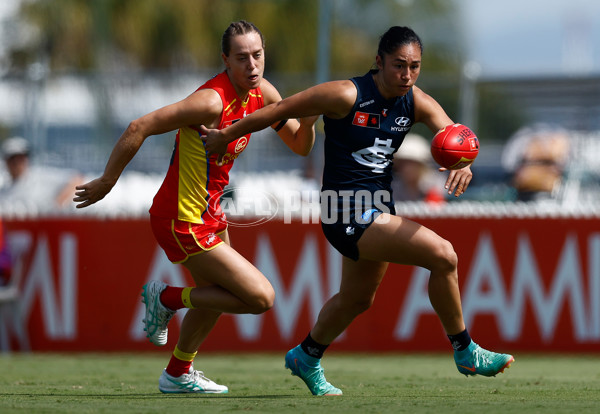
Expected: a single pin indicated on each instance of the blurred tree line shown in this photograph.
(182, 34)
(185, 35)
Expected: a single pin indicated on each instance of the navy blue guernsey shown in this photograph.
(359, 148)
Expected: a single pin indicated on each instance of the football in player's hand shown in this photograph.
(454, 147)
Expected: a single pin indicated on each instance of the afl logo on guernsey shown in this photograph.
(364, 119)
(241, 144)
(230, 122)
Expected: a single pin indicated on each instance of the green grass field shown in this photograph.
(372, 383)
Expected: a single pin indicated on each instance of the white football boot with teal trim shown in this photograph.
(192, 382)
(157, 315)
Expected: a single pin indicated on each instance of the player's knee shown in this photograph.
(446, 257)
(263, 301)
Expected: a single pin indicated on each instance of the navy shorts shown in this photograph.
(344, 234)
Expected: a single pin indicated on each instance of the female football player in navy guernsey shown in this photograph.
(186, 217)
(366, 119)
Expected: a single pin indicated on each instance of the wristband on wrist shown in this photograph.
(280, 124)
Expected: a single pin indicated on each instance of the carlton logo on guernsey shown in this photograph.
(194, 180)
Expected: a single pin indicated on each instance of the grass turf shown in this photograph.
(372, 383)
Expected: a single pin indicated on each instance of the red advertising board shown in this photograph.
(527, 285)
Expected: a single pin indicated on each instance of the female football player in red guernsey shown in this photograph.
(186, 217)
(366, 119)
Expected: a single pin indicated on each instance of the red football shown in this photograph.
(454, 147)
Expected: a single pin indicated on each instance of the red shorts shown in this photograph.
(181, 239)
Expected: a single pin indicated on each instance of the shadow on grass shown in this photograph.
(145, 396)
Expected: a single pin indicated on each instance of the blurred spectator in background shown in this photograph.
(33, 189)
(536, 156)
(16, 156)
(5, 262)
(414, 177)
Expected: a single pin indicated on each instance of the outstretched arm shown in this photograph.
(202, 107)
(334, 99)
(126, 147)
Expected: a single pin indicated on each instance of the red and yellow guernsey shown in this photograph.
(194, 181)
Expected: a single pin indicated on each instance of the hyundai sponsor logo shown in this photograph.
(402, 121)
